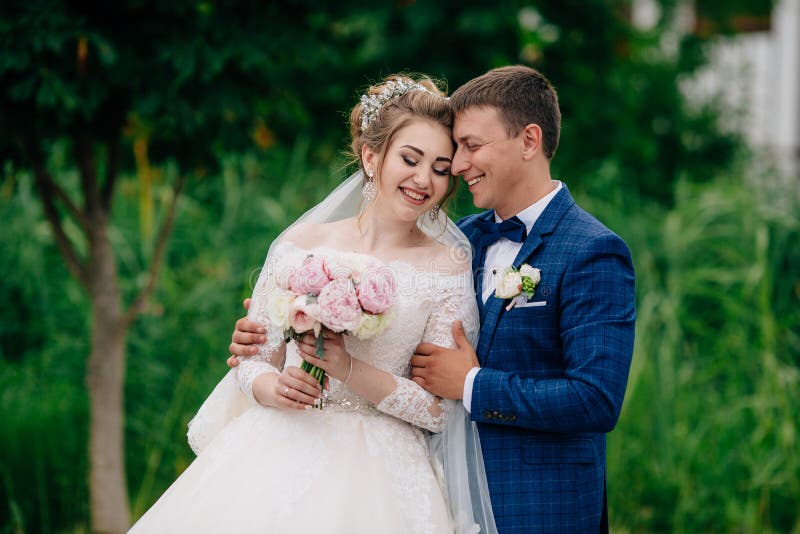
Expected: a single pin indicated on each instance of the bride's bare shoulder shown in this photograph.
(454, 259)
(310, 235)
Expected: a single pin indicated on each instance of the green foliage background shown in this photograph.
(708, 436)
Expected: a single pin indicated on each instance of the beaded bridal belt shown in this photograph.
(349, 403)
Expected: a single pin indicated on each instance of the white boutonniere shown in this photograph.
(517, 284)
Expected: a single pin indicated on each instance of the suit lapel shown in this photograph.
(544, 225)
(491, 313)
(479, 281)
(478, 258)
(494, 307)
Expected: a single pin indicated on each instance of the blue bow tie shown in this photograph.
(512, 229)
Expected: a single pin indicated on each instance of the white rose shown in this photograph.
(531, 272)
(278, 308)
(371, 325)
(508, 284)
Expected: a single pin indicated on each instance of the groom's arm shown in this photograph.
(441, 370)
(596, 332)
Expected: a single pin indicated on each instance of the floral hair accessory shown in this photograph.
(371, 104)
(517, 284)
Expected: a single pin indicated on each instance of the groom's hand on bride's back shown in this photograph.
(246, 335)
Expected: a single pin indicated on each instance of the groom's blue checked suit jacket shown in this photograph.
(553, 373)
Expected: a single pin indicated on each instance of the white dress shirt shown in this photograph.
(500, 255)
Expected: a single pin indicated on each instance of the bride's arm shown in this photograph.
(409, 400)
(395, 395)
(270, 357)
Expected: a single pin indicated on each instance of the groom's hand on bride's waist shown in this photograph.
(442, 371)
(246, 335)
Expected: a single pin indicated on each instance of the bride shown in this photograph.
(383, 455)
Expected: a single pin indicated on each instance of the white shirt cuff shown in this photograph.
(467, 396)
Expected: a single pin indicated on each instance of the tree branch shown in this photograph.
(112, 171)
(79, 216)
(47, 190)
(138, 303)
(85, 159)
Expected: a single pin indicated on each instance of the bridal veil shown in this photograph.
(455, 452)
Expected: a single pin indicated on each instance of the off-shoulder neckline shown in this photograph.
(388, 263)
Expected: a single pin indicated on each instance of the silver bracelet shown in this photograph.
(350, 372)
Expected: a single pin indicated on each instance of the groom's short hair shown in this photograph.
(521, 95)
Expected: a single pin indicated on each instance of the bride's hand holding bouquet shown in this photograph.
(338, 363)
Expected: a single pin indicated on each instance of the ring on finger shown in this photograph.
(286, 392)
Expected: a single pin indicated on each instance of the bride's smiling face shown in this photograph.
(415, 173)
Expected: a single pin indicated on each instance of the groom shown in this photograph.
(548, 376)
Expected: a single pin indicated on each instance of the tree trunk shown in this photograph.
(105, 372)
(105, 378)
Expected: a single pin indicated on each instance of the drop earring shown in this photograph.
(368, 190)
(434, 212)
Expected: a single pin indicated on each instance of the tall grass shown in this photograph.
(176, 349)
(707, 441)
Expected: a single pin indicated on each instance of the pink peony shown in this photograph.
(376, 289)
(310, 278)
(285, 277)
(302, 315)
(338, 306)
(335, 269)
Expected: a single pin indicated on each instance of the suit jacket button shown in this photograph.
(487, 415)
(496, 413)
(513, 417)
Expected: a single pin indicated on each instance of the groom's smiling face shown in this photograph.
(486, 157)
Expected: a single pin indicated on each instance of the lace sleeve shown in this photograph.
(271, 355)
(250, 368)
(409, 401)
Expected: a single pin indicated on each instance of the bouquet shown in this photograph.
(353, 297)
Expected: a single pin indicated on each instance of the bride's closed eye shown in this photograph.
(409, 161)
(441, 171)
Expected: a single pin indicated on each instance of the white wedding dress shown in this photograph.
(353, 467)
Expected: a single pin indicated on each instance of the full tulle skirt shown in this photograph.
(330, 471)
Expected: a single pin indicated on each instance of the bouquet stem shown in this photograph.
(313, 370)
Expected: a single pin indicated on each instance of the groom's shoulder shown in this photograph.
(582, 229)
(579, 219)
(466, 223)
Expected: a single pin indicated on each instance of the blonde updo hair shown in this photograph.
(396, 114)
